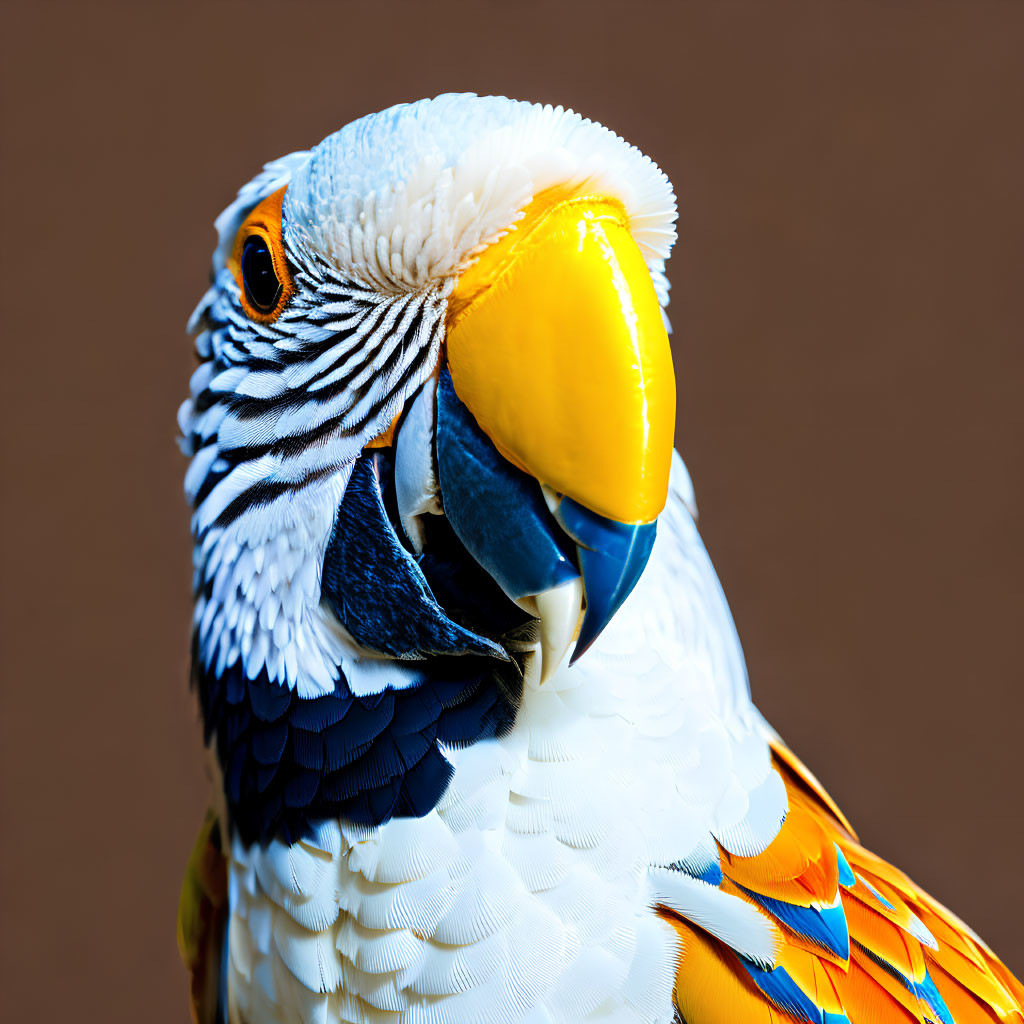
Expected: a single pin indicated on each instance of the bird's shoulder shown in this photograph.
(855, 940)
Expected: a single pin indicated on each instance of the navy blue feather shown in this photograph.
(376, 588)
(378, 757)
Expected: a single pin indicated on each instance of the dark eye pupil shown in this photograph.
(262, 287)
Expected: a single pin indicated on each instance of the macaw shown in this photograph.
(479, 724)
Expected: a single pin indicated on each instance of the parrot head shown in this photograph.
(433, 415)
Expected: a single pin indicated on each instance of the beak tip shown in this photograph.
(579, 650)
(612, 557)
(593, 626)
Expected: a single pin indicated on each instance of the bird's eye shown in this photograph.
(259, 261)
(262, 287)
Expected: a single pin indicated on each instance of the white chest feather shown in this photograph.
(527, 894)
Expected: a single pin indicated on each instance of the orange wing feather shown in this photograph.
(903, 957)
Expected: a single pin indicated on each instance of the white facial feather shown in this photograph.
(408, 196)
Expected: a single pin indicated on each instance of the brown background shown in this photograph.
(847, 298)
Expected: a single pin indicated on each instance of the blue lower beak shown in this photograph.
(612, 557)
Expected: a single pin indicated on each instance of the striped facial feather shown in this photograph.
(277, 406)
(278, 412)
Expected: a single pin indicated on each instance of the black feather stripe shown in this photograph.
(247, 407)
(266, 491)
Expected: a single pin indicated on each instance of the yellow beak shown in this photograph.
(557, 346)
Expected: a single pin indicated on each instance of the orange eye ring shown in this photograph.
(259, 251)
